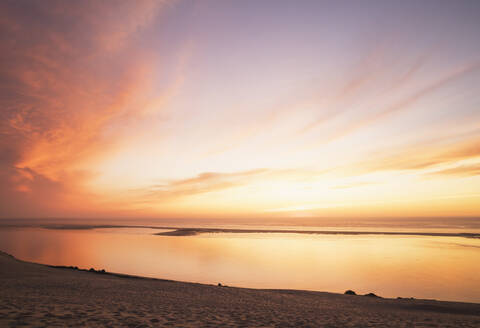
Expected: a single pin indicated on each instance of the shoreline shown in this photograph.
(132, 276)
(34, 294)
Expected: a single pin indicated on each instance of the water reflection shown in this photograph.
(419, 266)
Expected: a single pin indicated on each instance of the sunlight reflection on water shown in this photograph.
(408, 266)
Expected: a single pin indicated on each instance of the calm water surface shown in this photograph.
(445, 268)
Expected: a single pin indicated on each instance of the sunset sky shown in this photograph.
(239, 109)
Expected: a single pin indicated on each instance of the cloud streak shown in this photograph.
(462, 170)
(202, 183)
(424, 156)
(402, 104)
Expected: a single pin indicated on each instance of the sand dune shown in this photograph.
(42, 296)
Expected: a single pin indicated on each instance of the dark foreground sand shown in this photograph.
(41, 296)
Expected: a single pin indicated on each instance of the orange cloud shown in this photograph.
(65, 79)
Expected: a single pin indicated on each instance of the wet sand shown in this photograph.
(35, 295)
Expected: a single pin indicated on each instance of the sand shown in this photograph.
(41, 296)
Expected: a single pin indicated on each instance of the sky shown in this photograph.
(239, 109)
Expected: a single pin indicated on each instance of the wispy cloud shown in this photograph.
(202, 183)
(425, 156)
(219, 181)
(400, 105)
(462, 170)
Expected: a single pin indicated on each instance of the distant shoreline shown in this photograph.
(192, 231)
(196, 231)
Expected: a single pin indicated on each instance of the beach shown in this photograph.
(36, 295)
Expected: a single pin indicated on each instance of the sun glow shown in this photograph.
(149, 113)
